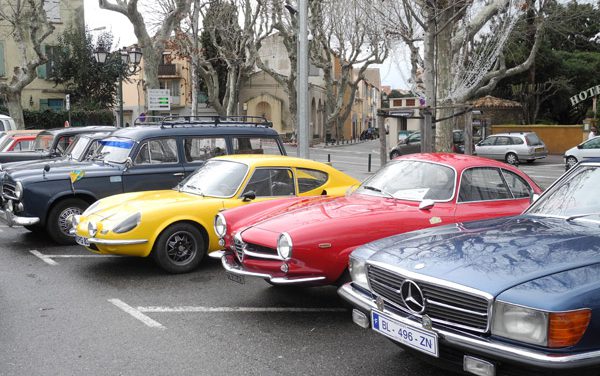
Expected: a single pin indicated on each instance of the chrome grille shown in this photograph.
(238, 245)
(443, 305)
(255, 248)
(8, 190)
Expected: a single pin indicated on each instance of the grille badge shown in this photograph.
(380, 303)
(427, 323)
(412, 296)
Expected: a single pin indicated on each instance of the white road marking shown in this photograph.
(184, 309)
(43, 257)
(136, 314)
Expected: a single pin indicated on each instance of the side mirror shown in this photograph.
(248, 196)
(426, 204)
(128, 163)
(533, 198)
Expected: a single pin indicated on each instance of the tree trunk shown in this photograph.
(15, 109)
(443, 131)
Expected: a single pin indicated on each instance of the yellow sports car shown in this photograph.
(176, 226)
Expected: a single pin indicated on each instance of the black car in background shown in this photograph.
(44, 198)
(51, 143)
(412, 144)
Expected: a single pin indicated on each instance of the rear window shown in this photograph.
(255, 145)
(533, 139)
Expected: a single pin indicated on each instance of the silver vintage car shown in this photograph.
(513, 147)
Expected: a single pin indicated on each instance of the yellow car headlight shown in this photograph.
(128, 224)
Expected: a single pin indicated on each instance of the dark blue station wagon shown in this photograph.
(130, 159)
(510, 296)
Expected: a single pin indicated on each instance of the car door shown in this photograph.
(502, 146)
(590, 149)
(197, 150)
(156, 165)
(485, 147)
(485, 192)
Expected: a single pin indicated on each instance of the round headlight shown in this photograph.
(284, 246)
(18, 190)
(220, 225)
(92, 229)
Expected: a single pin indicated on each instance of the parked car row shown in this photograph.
(431, 250)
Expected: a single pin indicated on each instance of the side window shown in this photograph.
(268, 182)
(255, 145)
(517, 141)
(503, 141)
(310, 179)
(592, 144)
(518, 186)
(24, 145)
(488, 141)
(202, 148)
(63, 143)
(482, 184)
(414, 138)
(163, 150)
(93, 147)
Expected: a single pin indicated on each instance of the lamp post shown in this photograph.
(130, 60)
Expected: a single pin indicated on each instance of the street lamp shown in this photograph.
(130, 60)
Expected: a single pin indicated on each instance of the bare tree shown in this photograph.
(152, 46)
(463, 47)
(345, 44)
(28, 27)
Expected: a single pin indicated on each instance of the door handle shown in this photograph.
(179, 174)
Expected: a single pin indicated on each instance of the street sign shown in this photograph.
(159, 99)
(67, 102)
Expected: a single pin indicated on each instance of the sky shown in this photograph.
(122, 30)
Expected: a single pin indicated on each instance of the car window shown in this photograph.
(203, 148)
(158, 151)
(533, 139)
(488, 141)
(255, 145)
(63, 143)
(91, 150)
(267, 182)
(310, 179)
(594, 143)
(5, 143)
(517, 140)
(503, 141)
(517, 185)
(482, 184)
(415, 137)
(23, 145)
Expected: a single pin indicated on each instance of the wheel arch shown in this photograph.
(192, 222)
(85, 196)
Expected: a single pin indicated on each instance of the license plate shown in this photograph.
(539, 149)
(82, 241)
(236, 278)
(419, 339)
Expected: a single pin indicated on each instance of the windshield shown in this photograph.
(77, 147)
(43, 141)
(215, 178)
(5, 141)
(575, 195)
(114, 149)
(413, 181)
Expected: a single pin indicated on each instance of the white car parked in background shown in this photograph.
(7, 123)
(587, 149)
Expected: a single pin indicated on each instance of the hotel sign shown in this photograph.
(586, 94)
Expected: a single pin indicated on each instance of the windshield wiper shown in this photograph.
(378, 190)
(573, 217)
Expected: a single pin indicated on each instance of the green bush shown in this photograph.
(47, 119)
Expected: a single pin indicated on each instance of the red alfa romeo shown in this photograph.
(307, 241)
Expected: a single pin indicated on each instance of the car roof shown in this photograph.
(141, 132)
(272, 160)
(511, 134)
(76, 130)
(23, 132)
(457, 161)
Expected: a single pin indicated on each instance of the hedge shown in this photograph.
(51, 119)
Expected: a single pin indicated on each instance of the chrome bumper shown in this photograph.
(493, 349)
(115, 242)
(12, 220)
(235, 268)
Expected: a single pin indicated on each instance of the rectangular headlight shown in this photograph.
(520, 323)
(358, 271)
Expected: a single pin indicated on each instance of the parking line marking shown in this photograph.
(43, 257)
(136, 314)
(201, 309)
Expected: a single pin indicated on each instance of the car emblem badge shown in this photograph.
(412, 296)
(380, 303)
(426, 321)
(435, 220)
(419, 266)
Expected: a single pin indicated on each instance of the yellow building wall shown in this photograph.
(558, 138)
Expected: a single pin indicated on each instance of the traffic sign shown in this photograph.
(67, 102)
(159, 99)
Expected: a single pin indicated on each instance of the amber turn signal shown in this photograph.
(567, 328)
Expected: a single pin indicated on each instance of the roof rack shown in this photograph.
(189, 120)
(148, 120)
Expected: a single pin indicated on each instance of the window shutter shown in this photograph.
(2, 67)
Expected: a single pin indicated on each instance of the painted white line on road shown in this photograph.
(43, 257)
(81, 256)
(136, 314)
(184, 309)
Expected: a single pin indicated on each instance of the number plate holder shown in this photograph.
(82, 241)
(236, 278)
(408, 335)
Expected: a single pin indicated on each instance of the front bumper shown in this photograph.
(487, 347)
(112, 241)
(14, 220)
(231, 265)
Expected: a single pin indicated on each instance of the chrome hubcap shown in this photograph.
(511, 159)
(181, 247)
(64, 224)
(571, 162)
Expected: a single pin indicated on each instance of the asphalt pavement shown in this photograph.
(65, 311)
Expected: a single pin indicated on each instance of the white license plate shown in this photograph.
(539, 149)
(82, 241)
(236, 278)
(419, 339)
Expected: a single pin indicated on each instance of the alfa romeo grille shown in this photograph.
(443, 305)
(239, 248)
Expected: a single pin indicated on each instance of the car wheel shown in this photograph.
(394, 154)
(571, 161)
(59, 224)
(511, 158)
(179, 248)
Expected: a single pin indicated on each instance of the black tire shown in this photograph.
(511, 158)
(57, 225)
(179, 248)
(394, 154)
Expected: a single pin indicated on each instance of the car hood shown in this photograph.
(166, 202)
(38, 163)
(61, 170)
(325, 212)
(492, 255)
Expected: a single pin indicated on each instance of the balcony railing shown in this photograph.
(167, 70)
